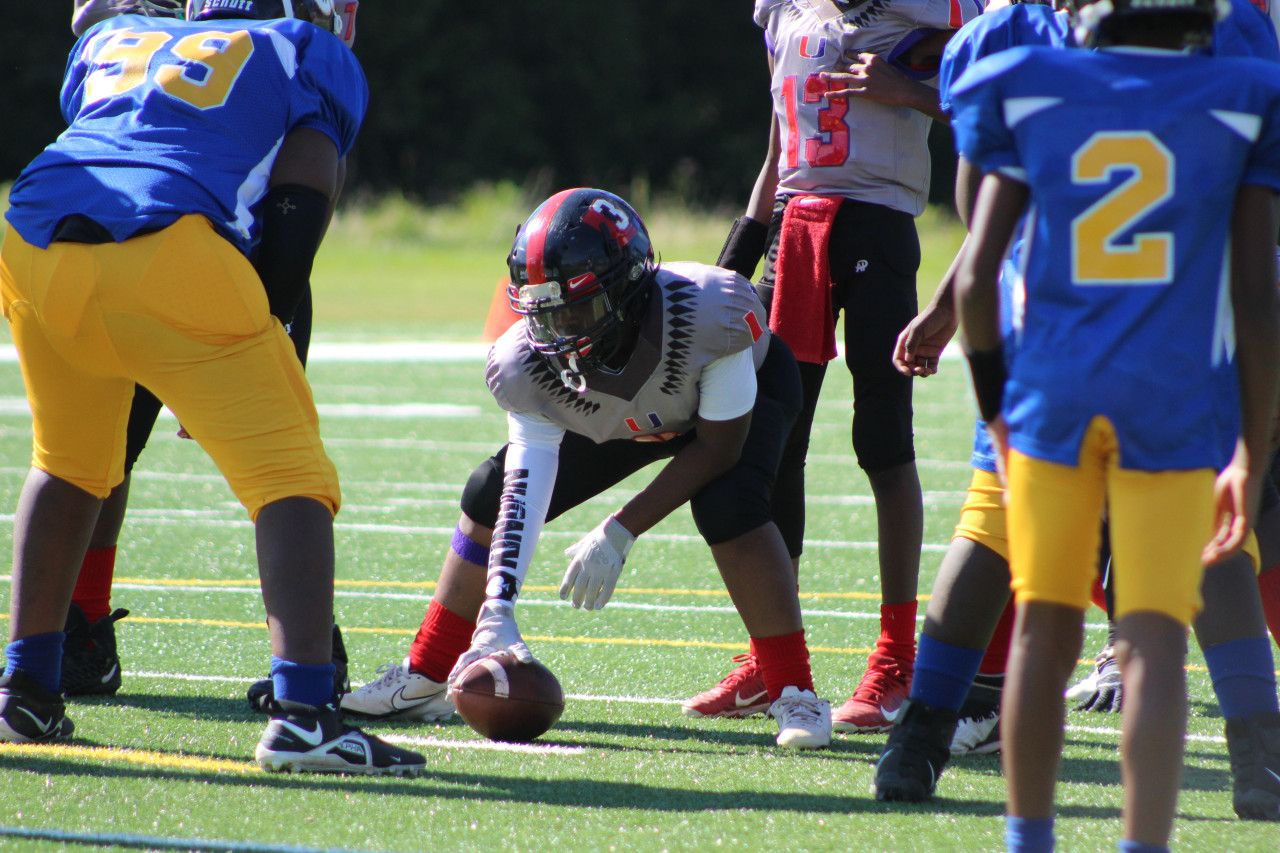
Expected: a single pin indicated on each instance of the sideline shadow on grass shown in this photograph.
(473, 787)
(204, 708)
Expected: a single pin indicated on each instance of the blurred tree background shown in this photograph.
(665, 97)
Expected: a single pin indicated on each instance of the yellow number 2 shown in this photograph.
(1097, 255)
(217, 58)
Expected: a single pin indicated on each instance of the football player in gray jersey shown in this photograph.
(620, 363)
(854, 93)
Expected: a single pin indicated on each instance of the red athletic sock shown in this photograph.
(441, 640)
(93, 585)
(783, 662)
(1269, 589)
(898, 632)
(1097, 595)
(996, 660)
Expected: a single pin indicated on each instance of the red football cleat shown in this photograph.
(740, 694)
(875, 705)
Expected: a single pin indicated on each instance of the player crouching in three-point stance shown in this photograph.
(1144, 358)
(619, 363)
(126, 264)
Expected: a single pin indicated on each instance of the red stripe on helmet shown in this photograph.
(536, 241)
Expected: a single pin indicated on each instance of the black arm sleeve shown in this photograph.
(293, 222)
(989, 375)
(744, 247)
(300, 328)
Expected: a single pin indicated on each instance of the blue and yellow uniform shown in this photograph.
(126, 257)
(1121, 376)
(1244, 32)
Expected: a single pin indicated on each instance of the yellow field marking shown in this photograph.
(430, 585)
(127, 756)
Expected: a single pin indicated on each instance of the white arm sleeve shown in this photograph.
(533, 457)
(727, 387)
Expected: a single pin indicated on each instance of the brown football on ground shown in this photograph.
(504, 699)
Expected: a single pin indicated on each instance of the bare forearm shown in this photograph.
(695, 465)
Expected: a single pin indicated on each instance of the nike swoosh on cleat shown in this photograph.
(106, 679)
(398, 697)
(45, 726)
(313, 737)
(743, 702)
(891, 716)
(1272, 774)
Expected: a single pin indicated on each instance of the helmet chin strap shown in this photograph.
(572, 377)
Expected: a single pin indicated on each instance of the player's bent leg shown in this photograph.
(416, 688)
(757, 572)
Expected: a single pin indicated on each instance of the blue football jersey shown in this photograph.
(990, 33)
(1132, 159)
(995, 31)
(1246, 31)
(168, 118)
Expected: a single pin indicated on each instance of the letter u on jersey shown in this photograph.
(812, 47)
(654, 423)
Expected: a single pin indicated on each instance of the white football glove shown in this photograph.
(496, 631)
(596, 564)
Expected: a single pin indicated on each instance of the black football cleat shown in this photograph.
(29, 713)
(1253, 744)
(90, 664)
(918, 749)
(307, 739)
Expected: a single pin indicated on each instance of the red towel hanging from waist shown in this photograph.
(801, 312)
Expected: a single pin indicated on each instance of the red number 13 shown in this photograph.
(831, 126)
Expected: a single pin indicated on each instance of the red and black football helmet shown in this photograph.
(581, 269)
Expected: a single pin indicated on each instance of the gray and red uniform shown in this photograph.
(702, 334)
(867, 164)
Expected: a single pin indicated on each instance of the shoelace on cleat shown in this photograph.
(390, 673)
(878, 681)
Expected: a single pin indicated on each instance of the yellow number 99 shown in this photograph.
(125, 58)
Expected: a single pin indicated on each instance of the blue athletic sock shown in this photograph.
(1028, 835)
(1243, 675)
(40, 657)
(943, 673)
(1135, 847)
(300, 682)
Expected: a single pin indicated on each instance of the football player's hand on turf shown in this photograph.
(496, 631)
(596, 563)
(1108, 691)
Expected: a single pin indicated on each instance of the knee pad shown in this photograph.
(882, 436)
(483, 491)
(730, 506)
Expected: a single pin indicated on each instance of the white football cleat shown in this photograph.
(804, 720)
(400, 694)
(978, 735)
